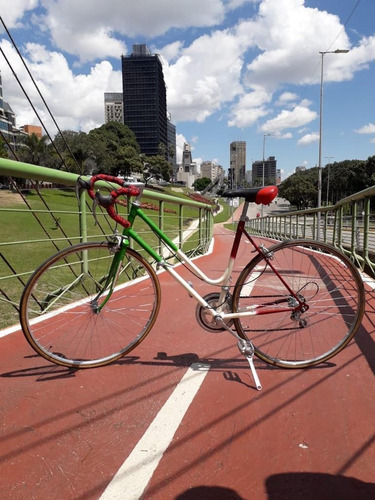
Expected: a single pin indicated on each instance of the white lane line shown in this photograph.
(9, 330)
(133, 476)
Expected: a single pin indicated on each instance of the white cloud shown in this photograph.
(198, 161)
(76, 101)
(308, 139)
(297, 117)
(249, 108)
(87, 45)
(216, 71)
(12, 15)
(289, 49)
(180, 141)
(206, 75)
(74, 25)
(171, 51)
(367, 129)
(233, 4)
(287, 135)
(286, 98)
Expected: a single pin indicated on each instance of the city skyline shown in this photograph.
(236, 70)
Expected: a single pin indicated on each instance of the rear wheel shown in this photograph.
(60, 309)
(330, 288)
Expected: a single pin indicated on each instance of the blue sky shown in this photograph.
(235, 70)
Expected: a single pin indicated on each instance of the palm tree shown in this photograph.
(34, 149)
(3, 149)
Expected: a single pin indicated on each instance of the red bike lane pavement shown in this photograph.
(308, 434)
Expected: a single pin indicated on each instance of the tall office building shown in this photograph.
(145, 99)
(171, 145)
(7, 118)
(113, 107)
(9, 131)
(269, 170)
(237, 170)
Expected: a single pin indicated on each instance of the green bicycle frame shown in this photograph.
(127, 234)
(136, 211)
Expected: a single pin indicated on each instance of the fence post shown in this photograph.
(82, 217)
(83, 228)
(180, 226)
(200, 227)
(161, 222)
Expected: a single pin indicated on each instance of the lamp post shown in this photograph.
(264, 154)
(329, 164)
(337, 51)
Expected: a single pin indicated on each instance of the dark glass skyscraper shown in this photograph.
(145, 99)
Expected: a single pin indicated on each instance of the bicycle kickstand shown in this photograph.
(247, 349)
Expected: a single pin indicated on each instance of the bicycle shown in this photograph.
(294, 305)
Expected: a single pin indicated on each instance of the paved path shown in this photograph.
(180, 418)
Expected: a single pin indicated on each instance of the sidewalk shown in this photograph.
(308, 434)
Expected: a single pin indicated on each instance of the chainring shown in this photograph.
(206, 320)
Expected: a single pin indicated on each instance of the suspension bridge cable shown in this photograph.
(41, 96)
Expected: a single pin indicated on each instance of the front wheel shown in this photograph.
(66, 314)
(326, 283)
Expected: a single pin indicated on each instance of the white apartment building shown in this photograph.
(211, 170)
(113, 107)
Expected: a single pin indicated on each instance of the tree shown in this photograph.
(3, 149)
(74, 148)
(301, 189)
(34, 149)
(348, 177)
(345, 178)
(156, 167)
(201, 184)
(115, 149)
(370, 170)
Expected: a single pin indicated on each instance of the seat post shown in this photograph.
(244, 211)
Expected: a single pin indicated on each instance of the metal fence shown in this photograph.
(40, 214)
(349, 225)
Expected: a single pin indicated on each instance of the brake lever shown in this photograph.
(81, 185)
(105, 201)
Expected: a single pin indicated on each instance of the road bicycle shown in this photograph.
(294, 305)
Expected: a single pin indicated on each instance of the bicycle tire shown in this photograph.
(332, 288)
(57, 312)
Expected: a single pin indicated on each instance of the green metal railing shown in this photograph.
(36, 221)
(349, 225)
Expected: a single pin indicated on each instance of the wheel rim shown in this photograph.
(333, 293)
(60, 320)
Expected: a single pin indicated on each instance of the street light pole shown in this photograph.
(337, 51)
(329, 164)
(264, 154)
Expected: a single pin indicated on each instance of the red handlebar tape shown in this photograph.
(127, 191)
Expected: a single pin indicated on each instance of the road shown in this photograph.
(179, 418)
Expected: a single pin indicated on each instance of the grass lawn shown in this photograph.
(26, 242)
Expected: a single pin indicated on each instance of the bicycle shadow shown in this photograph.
(209, 493)
(313, 486)
(226, 365)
